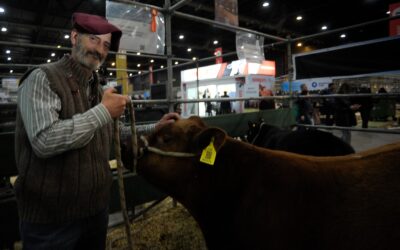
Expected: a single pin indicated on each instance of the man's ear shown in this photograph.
(203, 138)
(74, 37)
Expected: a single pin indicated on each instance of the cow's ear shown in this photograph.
(203, 139)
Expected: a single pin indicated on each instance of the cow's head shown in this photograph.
(254, 129)
(171, 173)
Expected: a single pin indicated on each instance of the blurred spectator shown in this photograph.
(366, 105)
(226, 107)
(304, 108)
(177, 108)
(345, 112)
(265, 104)
(328, 105)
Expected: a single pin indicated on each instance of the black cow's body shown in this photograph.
(256, 198)
(306, 142)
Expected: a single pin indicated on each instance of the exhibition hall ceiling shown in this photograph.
(46, 22)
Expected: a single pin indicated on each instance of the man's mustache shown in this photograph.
(95, 54)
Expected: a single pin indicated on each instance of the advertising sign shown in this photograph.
(142, 29)
(226, 11)
(394, 24)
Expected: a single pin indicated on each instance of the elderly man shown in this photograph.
(63, 138)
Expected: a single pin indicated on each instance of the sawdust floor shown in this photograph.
(162, 227)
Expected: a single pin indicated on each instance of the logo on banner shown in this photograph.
(314, 84)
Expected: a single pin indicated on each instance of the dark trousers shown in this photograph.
(86, 233)
(365, 114)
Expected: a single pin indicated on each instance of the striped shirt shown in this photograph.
(49, 135)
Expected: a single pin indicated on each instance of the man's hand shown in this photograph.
(167, 119)
(115, 103)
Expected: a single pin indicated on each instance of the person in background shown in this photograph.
(265, 104)
(64, 131)
(328, 106)
(226, 105)
(304, 107)
(345, 112)
(385, 107)
(209, 107)
(178, 108)
(366, 105)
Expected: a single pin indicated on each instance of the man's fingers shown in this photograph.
(110, 90)
(172, 116)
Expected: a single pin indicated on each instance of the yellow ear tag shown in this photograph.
(208, 155)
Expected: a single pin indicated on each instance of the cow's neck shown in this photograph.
(213, 197)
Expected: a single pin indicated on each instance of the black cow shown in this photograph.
(306, 142)
(256, 198)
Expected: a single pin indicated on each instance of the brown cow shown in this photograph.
(256, 198)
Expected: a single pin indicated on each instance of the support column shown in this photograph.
(122, 74)
(168, 43)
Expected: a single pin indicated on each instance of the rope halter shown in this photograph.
(159, 151)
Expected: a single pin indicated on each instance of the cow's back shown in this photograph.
(314, 142)
(347, 202)
(308, 142)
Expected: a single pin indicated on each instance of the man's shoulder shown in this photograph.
(31, 74)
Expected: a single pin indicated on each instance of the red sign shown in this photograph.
(394, 24)
(218, 53)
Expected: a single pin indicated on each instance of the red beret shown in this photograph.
(96, 25)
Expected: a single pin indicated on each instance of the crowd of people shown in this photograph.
(341, 111)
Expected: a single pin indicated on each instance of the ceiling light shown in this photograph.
(215, 42)
(343, 36)
(299, 18)
(66, 36)
(189, 49)
(2, 10)
(181, 37)
(324, 27)
(8, 58)
(58, 46)
(194, 58)
(138, 53)
(3, 29)
(299, 44)
(140, 72)
(265, 4)
(111, 74)
(11, 71)
(130, 74)
(388, 12)
(138, 65)
(113, 64)
(8, 51)
(48, 60)
(162, 66)
(151, 60)
(176, 62)
(53, 54)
